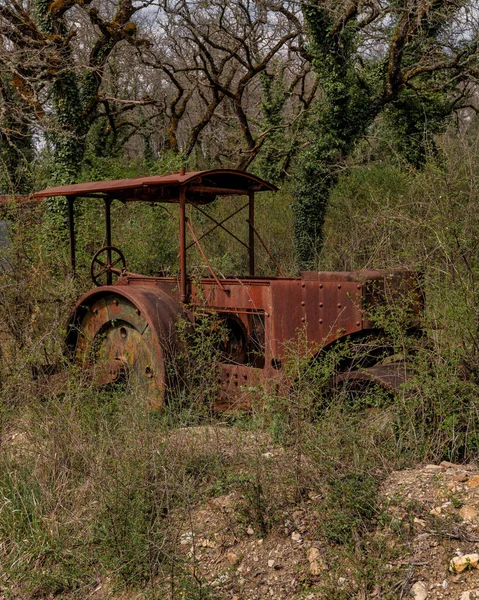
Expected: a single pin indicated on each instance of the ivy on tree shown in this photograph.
(412, 80)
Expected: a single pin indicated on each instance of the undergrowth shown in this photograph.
(95, 489)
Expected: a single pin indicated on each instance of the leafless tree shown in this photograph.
(55, 54)
(217, 57)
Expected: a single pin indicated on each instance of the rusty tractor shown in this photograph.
(126, 326)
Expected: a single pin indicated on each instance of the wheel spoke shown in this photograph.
(97, 260)
(119, 259)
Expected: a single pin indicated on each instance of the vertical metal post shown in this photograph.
(251, 233)
(109, 278)
(182, 244)
(71, 228)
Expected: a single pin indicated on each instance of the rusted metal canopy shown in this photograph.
(201, 187)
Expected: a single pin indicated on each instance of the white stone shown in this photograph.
(313, 554)
(316, 564)
(270, 563)
(449, 465)
(296, 537)
(434, 468)
(419, 590)
(186, 538)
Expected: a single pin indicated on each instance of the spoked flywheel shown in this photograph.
(107, 263)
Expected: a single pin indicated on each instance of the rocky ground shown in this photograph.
(445, 529)
(437, 506)
(422, 543)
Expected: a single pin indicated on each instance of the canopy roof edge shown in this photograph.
(200, 186)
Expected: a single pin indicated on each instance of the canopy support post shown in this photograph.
(71, 229)
(251, 233)
(109, 278)
(182, 245)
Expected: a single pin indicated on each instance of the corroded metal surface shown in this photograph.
(275, 316)
(116, 331)
(237, 385)
(390, 376)
(202, 186)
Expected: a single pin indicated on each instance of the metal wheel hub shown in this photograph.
(116, 343)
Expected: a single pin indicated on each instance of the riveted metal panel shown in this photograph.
(237, 385)
(287, 316)
(339, 309)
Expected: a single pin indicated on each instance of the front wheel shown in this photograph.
(356, 374)
(371, 387)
